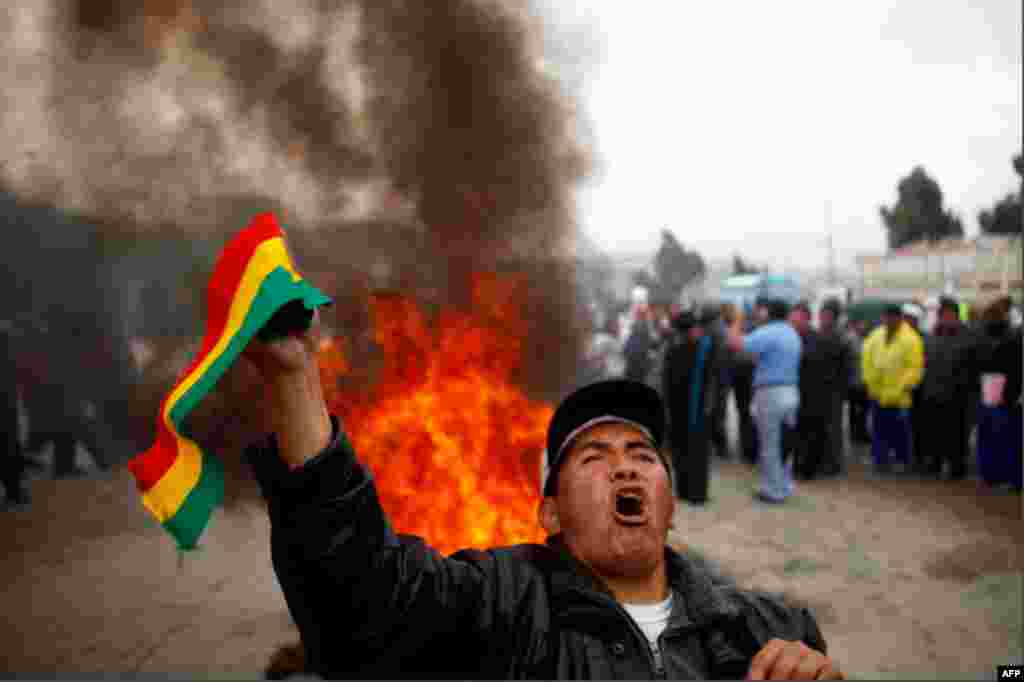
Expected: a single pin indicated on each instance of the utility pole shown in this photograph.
(831, 261)
(828, 243)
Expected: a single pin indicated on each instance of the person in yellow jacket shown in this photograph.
(893, 364)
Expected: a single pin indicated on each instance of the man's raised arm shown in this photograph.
(295, 409)
(367, 601)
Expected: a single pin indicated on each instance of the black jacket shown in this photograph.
(676, 381)
(824, 371)
(8, 385)
(637, 351)
(372, 604)
(951, 357)
(1005, 356)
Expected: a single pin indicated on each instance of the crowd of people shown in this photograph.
(805, 390)
(61, 377)
(813, 392)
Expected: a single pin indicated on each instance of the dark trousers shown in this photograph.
(834, 462)
(815, 446)
(743, 391)
(890, 433)
(918, 425)
(1000, 445)
(690, 460)
(64, 450)
(719, 439)
(791, 444)
(941, 435)
(12, 469)
(65, 438)
(12, 463)
(858, 415)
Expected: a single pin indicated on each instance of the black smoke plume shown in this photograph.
(406, 145)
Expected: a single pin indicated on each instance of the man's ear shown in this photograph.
(547, 514)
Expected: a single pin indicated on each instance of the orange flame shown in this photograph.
(453, 444)
(163, 19)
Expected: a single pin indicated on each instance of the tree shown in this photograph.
(642, 278)
(1005, 216)
(742, 267)
(918, 213)
(595, 277)
(675, 267)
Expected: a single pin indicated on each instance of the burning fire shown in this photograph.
(163, 19)
(453, 444)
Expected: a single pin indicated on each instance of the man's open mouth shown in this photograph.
(631, 506)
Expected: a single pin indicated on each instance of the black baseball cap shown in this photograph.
(949, 303)
(833, 305)
(708, 314)
(615, 400)
(778, 309)
(684, 321)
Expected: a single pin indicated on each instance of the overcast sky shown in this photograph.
(736, 124)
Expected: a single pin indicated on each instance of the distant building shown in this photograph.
(970, 269)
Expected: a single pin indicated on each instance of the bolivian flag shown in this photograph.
(254, 277)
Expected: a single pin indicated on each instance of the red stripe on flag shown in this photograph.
(227, 275)
(150, 466)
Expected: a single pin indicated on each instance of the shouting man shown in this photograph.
(605, 597)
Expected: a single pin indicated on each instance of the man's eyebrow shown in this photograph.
(596, 444)
(599, 444)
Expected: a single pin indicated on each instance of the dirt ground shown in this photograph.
(908, 578)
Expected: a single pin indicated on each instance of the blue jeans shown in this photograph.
(890, 431)
(773, 407)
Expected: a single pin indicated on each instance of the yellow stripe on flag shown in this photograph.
(165, 498)
(267, 257)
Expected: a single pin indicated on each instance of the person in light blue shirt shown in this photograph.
(776, 348)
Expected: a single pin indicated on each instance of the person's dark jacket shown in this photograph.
(950, 364)
(373, 604)
(854, 346)
(824, 371)
(8, 384)
(677, 382)
(727, 358)
(637, 351)
(1006, 356)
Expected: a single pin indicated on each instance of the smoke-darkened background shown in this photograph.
(405, 144)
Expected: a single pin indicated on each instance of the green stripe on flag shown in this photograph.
(189, 522)
(276, 290)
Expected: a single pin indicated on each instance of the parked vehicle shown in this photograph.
(744, 290)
